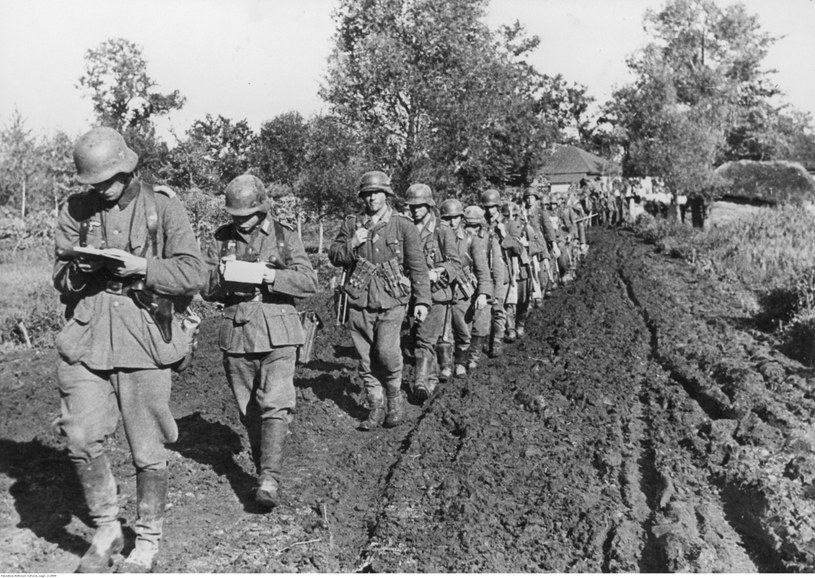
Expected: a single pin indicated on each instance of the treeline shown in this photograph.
(426, 91)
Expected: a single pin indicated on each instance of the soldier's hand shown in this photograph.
(420, 312)
(359, 237)
(502, 228)
(434, 275)
(555, 250)
(222, 265)
(126, 265)
(523, 242)
(480, 302)
(269, 276)
(88, 265)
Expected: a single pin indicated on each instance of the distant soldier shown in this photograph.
(520, 275)
(121, 339)
(471, 293)
(385, 267)
(260, 327)
(497, 232)
(444, 266)
(543, 246)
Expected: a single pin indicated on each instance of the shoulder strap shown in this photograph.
(282, 245)
(151, 216)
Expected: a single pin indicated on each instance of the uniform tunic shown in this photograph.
(113, 358)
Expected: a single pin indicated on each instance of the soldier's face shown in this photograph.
(453, 222)
(529, 200)
(374, 201)
(111, 189)
(419, 212)
(493, 212)
(246, 222)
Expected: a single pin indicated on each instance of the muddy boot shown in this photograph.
(99, 488)
(444, 354)
(396, 410)
(377, 413)
(433, 375)
(273, 438)
(460, 361)
(474, 352)
(510, 336)
(151, 499)
(421, 385)
(496, 341)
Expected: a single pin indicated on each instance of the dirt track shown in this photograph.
(642, 425)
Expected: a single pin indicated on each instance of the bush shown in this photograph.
(43, 319)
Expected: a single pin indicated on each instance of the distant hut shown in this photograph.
(751, 185)
(569, 164)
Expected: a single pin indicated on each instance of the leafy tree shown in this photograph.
(20, 162)
(125, 97)
(57, 157)
(279, 150)
(432, 91)
(215, 151)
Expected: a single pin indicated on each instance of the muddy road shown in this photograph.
(643, 424)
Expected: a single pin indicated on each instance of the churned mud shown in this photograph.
(642, 424)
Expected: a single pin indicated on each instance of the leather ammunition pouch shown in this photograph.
(396, 284)
(361, 275)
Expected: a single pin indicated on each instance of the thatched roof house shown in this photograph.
(767, 182)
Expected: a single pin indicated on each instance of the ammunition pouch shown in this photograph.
(465, 285)
(440, 284)
(396, 284)
(361, 276)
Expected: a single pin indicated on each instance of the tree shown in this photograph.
(125, 97)
(20, 161)
(278, 152)
(431, 90)
(215, 151)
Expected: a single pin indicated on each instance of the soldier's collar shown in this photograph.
(128, 194)
(428, 223)
(460, 232)
(266, 224)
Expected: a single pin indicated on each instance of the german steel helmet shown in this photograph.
(246, 195)
(490, 198)
(533, 192)
(101, 154)
(474, 215)
(419, 194)
(375, 181)
(451, 208)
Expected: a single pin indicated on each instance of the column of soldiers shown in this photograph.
(128, 265)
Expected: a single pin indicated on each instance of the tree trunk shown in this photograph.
(320, 242)
(22, 209)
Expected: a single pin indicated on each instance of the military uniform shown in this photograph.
(538, 219)
(439, 248)
(260, 330)
(472, 250)
(383, 274)
(113, 359)
(500, 259)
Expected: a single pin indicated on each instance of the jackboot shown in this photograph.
(377, 411)
(461, 360)
(510, 335)
(273, 438)
(396, 410)
(497, 341)
(421, 385)
(474, 353)
(433, 375)
(444, 353)
(151, 499)
(99, 488)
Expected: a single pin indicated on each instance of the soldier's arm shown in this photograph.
(481, 268)
(500, 275)
(67, 278)
(415, 264)
(298, 279)
(214, 287)
(547, 228)
(452, 258)
(511, 241)
(341, 251)
(181, 270)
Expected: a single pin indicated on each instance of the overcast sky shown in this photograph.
(255, 59)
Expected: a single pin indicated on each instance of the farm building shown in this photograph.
(568, 164)
(752, 185)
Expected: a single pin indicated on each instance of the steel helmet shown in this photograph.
(101, 154)
(246, 195)
(490, 198)
(474, 215)
(375, 181)
(419, 194)
(533, 192)
(451, 208)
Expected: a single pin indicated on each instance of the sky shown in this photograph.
(255, 59)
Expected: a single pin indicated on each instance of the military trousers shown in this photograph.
(263, 383)
(92, 402)
(427, 333)
(376, 337)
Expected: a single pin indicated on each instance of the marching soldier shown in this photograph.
(471, 293)
(444, 266)
(538, 218)
(382, 255)
(260, 326)
(121, 339)
(497, 232)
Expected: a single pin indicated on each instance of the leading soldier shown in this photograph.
(115, 356)
(260, 326)
(381, 254)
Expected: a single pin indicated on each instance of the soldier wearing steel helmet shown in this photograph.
(471, 293)
(444, 266)
(260, 326)
(497, 232)
(385, 269)
(114, 358)
(545, 246)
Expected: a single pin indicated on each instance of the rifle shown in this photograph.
(341, 299)
(537, 290)
(586, 218)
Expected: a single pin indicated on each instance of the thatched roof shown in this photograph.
(569, 164)
(775, 182)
